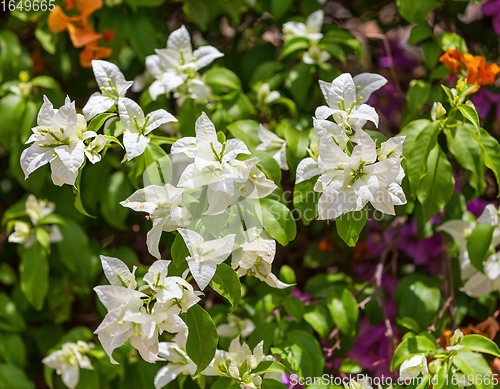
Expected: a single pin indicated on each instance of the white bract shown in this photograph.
(311, 29)
(236, 326)
(255, 256)
(265, 96)
(239, 361)
(205, 256)
(69, 360)
(165, 206)
(273, 145)
(179, 362)
(137, 126)
(315, 56)
(141, 315)
(477, 283)
(346, 97)
(178, 65)
(413, 367)
(35, 209)
(349, 182)
(215, 165)
(112, 85)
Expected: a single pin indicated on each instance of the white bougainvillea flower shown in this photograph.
(38, 209)
(273, 145)
(255, 256)
(170, 289)
(117, 273)
(413, 367)
(311, 29)
(112, 85)
(239, 361)
(69, 360)
(94, 148)
(307, 169)
(348, 183)
(346, 97)
(265, 96)
(215, 165)
(58, 140)
(179, 362)
(23, 232)
(137, 126)
(178, 64)
(236, 326)
(205, 256)
(114, 331)
(315, 56)
(165, 206)
(480, 283)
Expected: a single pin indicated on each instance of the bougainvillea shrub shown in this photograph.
(255, 194)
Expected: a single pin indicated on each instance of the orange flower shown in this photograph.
(93, 51)
(477, 72)
(80, 31)
(451, 59)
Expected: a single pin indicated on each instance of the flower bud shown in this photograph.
(437, 110)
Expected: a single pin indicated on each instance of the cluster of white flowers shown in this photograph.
(477, 283)
(239, 361)
(69, 360)
(140, 315)
(352, 170)
(273, 145)
(311, 30)
(413, 367)
(62, 138)
(175, 68)
(215, 167)
(35, 209)
(236, 326)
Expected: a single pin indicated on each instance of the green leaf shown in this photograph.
(97, 122)
(52, 219)
(269, 383)
(478, 244)
(469, 155)
(247, 131)
(293, 45)
(421, 138)
(450, 40)
(10, 318)
(480, 343)
(74, 249)
(270, 366)
(34, 275)
(202, 337)
(118, 187)
(319, 318)
(12, 349)
(141, 33)
(432, 52)
(278, 221)
(301, 353)
(305, 200)
(179, 251)
(78, 194)
(343, 309)
(42, 237)
(411, 346)
(491, 150)
(227, 283)
(222, 80)
(470, 114)
(349, 365)
(419, 33)
(13, 377)
(299, 81)
(416, 12)
(349, 226)
(294, 307)
(474, 365)
(418, 95)
(437, 186)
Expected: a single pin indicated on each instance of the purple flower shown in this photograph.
(484, 100)
(372, 349)
(388, 101)
(492, 8)
(288, 381)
